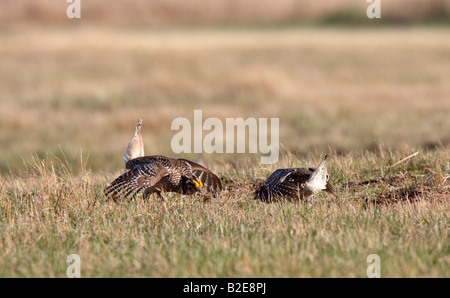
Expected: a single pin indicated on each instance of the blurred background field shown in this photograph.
(78, 85)
(222, 12)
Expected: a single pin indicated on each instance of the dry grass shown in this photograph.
(53, 213)
(80, 89)
(83, 89)
(231, 12)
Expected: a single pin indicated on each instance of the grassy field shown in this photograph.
(53, 213)
(368, 97)
(224, 12)
(82, 89)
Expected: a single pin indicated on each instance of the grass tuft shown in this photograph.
(56, 210)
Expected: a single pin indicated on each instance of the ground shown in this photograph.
(369, 98)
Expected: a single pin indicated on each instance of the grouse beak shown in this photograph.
(198, 184)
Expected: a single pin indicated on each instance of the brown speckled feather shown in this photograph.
(158, 174)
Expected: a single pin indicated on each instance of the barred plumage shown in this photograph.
(295, 183)
(157, 174)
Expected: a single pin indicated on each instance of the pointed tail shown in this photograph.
(136, 145)
(319, 177)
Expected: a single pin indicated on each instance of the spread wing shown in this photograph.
(131, 182)
(299, 175)
(287, 182)
(212, 182)
(303, 176)
(143, 160)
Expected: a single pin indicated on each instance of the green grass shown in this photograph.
(369, 97)
(346, 88)
(53, 212)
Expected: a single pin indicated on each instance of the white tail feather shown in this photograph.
(319, 178)
(136, 145)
